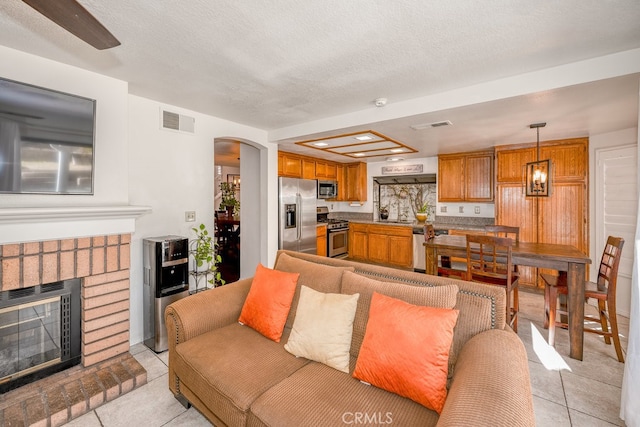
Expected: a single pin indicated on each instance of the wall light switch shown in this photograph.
(443, 208)
(477, 210)
(190, 216)
(460, 209)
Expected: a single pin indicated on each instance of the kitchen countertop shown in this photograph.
(418, 226)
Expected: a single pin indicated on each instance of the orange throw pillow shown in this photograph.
(268, 302)
(406, 350)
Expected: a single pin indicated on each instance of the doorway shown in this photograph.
(237, 166)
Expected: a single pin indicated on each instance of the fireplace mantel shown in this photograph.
(23, 224)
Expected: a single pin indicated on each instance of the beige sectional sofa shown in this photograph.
(237, 377)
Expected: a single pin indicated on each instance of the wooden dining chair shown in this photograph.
(489, 260)
(444, 266)
(604, 291)
(429, 232)
(503, 231)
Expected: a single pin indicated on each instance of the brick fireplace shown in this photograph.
(102, 265)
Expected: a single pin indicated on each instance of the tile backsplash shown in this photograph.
(403, 200)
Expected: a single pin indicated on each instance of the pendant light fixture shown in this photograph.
(538, 172)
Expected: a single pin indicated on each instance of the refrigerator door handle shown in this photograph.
(299, 212)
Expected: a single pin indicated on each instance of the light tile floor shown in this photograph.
(585, 393)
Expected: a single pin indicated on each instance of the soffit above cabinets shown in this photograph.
(360, 145)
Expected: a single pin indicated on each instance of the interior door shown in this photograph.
(616, 193)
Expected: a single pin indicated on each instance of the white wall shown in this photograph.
(111, 171)
(136, 163)
(173, 172)
(250, 206)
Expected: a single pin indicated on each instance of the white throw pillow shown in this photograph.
(323, 327)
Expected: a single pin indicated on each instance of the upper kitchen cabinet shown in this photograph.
(465, 177)
(308, 168)
(355, 175)
(351, 177)
(296, 166)
(289, 165)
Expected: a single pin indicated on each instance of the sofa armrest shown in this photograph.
(205, 311)
(491, 385)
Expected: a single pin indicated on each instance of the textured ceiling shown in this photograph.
(277, 64)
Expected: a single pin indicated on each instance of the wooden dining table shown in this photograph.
(563, 258)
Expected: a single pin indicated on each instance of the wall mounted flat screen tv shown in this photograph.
(46, 140)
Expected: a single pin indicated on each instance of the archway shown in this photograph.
(241, 162)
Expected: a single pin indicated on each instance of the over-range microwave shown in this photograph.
(327, 189)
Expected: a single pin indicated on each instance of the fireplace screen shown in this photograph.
(30, 337)
(36, 335)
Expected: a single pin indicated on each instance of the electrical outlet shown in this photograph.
(477, 210)
(190, 216)
(460, 209)
(443, 209)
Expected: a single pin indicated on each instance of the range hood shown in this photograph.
(428, 178)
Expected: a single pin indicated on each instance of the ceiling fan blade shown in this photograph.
(71, 16)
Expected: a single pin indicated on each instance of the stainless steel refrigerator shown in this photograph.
(298, 217)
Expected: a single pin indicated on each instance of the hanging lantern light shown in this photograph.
(538, 172)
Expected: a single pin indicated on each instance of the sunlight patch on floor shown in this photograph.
(548, 355)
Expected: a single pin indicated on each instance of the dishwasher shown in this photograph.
(419, 256)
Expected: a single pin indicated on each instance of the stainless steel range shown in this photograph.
(337, 233)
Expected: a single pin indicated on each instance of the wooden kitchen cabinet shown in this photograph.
(466, 177)
(321, 169)
(351, 177)
(356, 182)
(382, 244)
(289, 165)
(332, 171)
(563, 217)
(308, 169)
(297, 166)
(451, 178)
(321, 240)
(358, 241)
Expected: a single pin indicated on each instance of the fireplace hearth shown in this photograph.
(39, 332)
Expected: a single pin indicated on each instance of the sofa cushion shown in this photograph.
(269, 301)
(435, 296)
(322, 278)
(323, 327)
(406, 350)
(228, 368)
(317, 395)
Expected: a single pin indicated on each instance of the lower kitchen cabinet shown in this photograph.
(383, 244)
(321, 240)
(358, 241)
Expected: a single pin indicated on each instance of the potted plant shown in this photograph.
(422, 212)
(206, 258)
(229, 201)
(420, 205)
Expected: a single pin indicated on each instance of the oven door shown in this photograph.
(337, 242)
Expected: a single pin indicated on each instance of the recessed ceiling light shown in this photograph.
(320, 144)
(394, 159)
(397, 150)
(363, 138)
(358, 154)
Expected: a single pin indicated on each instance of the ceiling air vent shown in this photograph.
(179, 122)
(431, 125)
